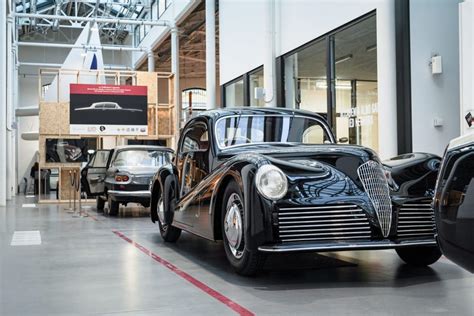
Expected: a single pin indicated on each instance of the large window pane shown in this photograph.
(305, 78)
(355, 56)
(256, 81)
(234, 94)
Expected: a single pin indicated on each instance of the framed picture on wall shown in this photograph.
(63, 150)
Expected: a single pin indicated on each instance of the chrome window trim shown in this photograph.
(321, 122)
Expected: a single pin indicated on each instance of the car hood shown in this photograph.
(308, 157)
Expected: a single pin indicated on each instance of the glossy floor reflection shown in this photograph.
(82, 267)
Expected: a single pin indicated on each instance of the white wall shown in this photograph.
(242, 40)
(434, 30)
(466, 42)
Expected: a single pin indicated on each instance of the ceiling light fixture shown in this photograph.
(343, 59)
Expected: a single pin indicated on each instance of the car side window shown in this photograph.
(314, 135)
(195, 139)
(100, 159)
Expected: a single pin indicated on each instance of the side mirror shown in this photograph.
(343, 140)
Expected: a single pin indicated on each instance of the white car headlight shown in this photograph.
(271, 182)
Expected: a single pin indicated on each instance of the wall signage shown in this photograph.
(98, 109)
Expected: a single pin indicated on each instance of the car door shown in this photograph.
(454, 207)
(193, 167)
(93, 174)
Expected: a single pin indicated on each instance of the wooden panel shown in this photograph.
(54, 118)
(149, 79)
(65, 191)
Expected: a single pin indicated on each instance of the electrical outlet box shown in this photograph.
(436, 65)
(438, 122)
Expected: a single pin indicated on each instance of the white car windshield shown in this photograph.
(243, 130)
(141, 158)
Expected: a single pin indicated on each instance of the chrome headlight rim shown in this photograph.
(261, 172)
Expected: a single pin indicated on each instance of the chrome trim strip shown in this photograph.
(130, 193)
(318, 212)
(348, 206)
(340, 246)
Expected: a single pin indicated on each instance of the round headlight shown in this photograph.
(271, 182)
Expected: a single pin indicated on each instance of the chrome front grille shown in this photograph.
(416, 219)
(323, 223)
(376, 186)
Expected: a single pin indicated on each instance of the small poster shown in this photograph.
(469, 119)
(99, 109)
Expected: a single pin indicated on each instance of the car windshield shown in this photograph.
(243, 130)
(141, 158)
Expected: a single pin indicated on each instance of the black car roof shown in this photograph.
(215, 114)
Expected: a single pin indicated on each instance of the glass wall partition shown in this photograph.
(234, 93)
(337, 75)
(256, 81)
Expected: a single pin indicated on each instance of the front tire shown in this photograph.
(113, 206)
(165, 207)
(419, 256)
(244, 262)
(100, 202)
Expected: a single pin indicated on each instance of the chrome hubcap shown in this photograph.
(161, 213)
(233, 225)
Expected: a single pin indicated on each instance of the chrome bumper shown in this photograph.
(143, 194)
(346, 246)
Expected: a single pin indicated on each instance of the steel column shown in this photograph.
(211, 54)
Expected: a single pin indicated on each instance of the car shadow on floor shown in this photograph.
(311, 270)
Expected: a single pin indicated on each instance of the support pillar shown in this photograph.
(175, 71)
(211, 54)
(151, 60)
(269, 80)
(3, 102)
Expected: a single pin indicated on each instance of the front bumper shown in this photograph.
(341, 246)
(141, 194)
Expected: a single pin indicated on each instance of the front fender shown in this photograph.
(156, 187)
(258, 211)
(414, 175)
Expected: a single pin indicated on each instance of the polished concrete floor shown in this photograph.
(101, 265)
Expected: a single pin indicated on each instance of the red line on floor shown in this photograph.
(91, 216)
(203, 287)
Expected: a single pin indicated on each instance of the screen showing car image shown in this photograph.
(69, 150)
(99, 109)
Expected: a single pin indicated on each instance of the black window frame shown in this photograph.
(245, 78)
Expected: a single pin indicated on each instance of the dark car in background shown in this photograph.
(454, 202)
(122, 175)
(274, 180)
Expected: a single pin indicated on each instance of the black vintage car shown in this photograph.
(454, 202)
(274, 180)
(122, 175)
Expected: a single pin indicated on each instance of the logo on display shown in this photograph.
(102, 128)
